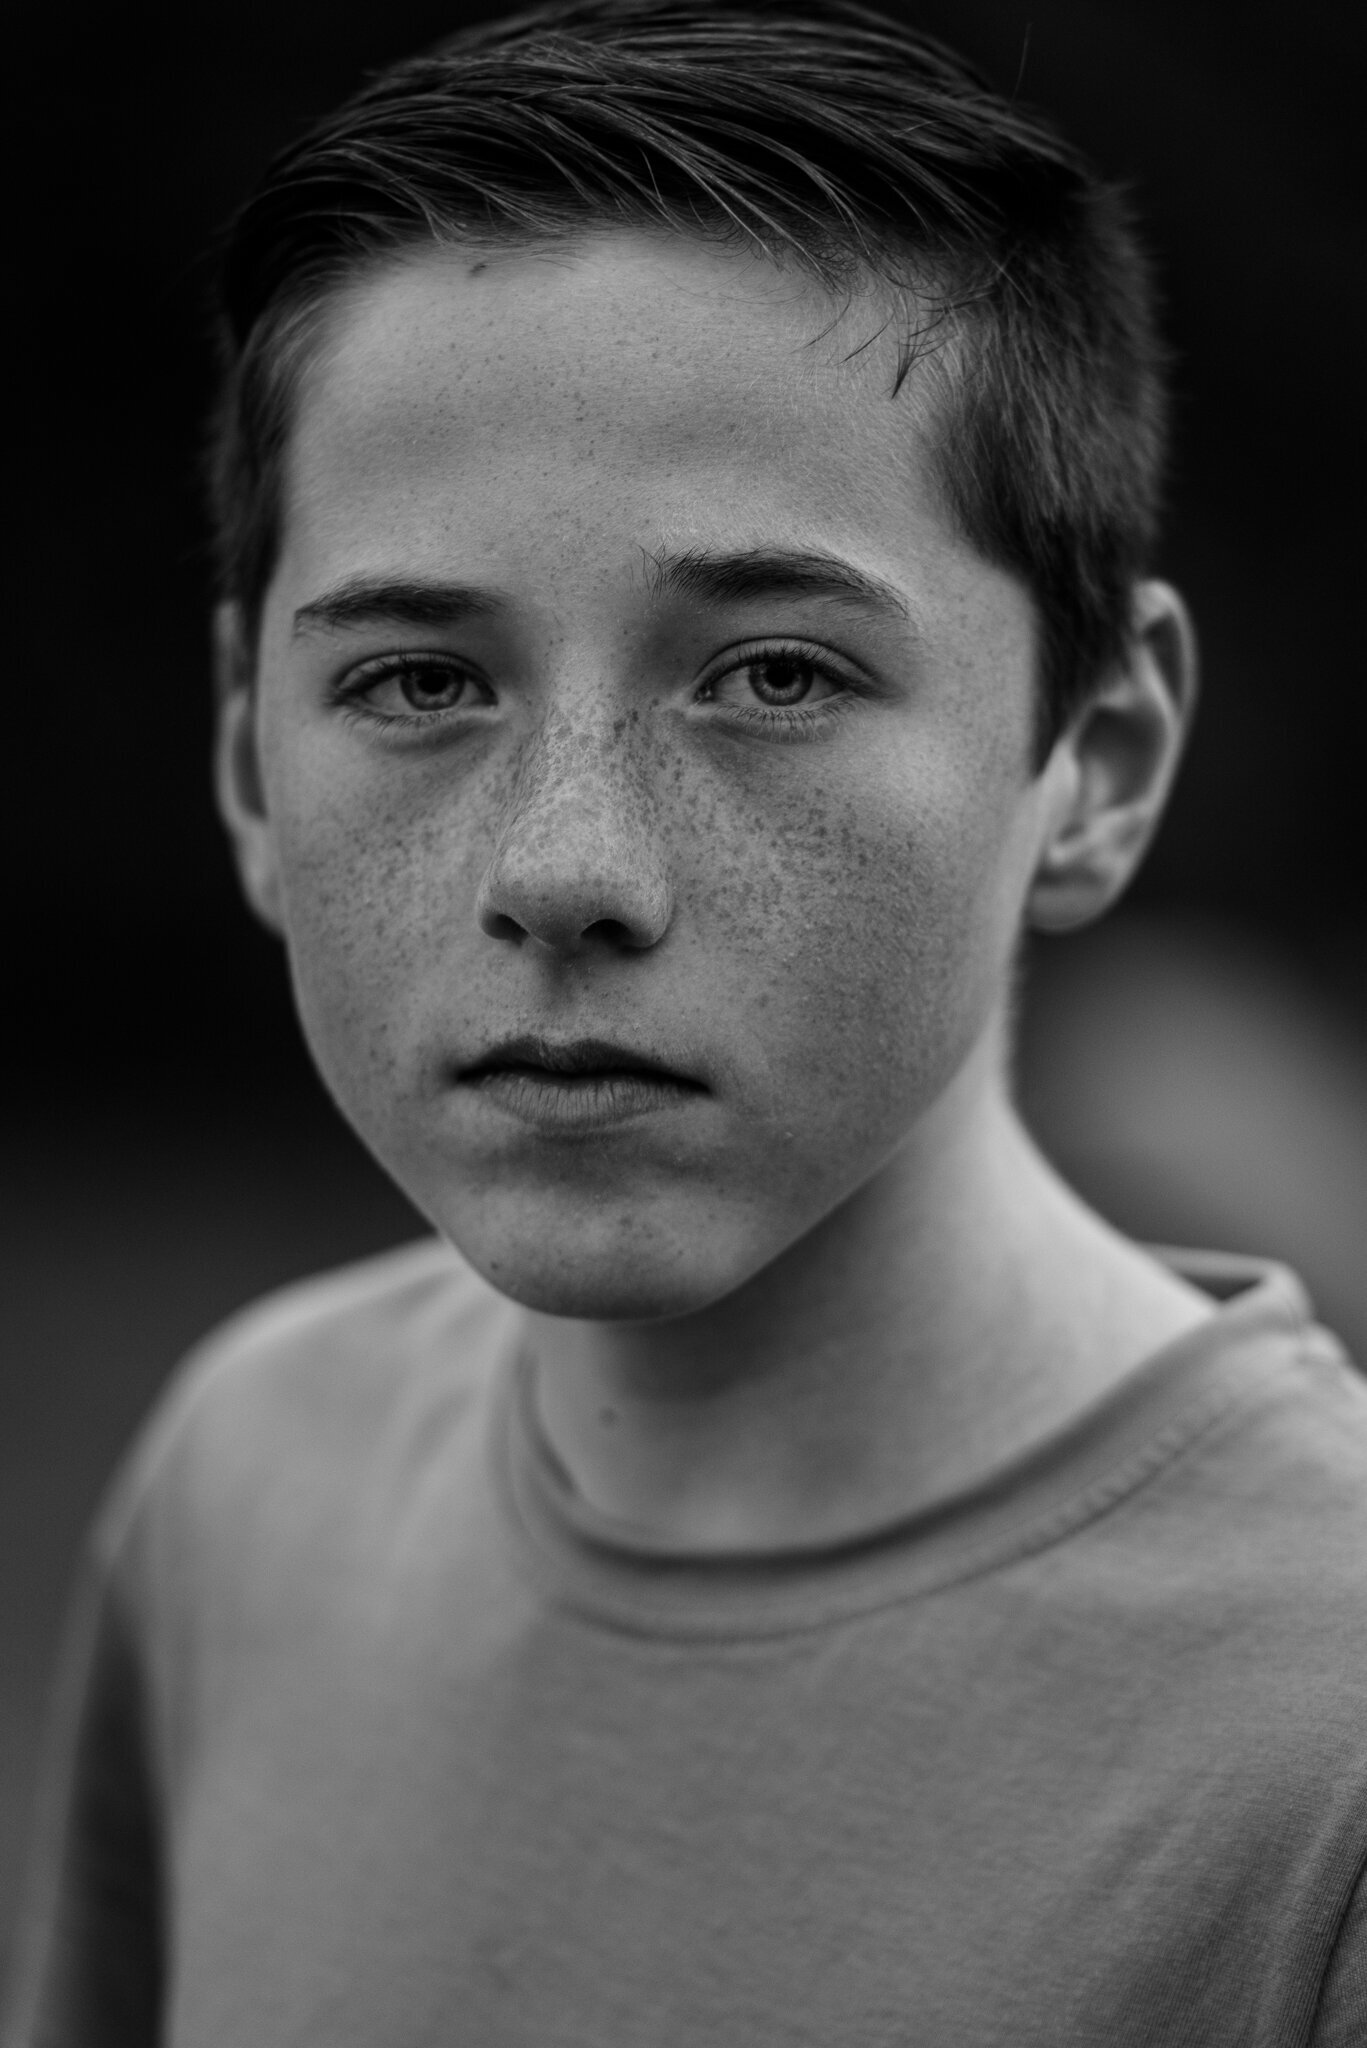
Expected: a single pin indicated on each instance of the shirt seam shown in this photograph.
(1356, 1888)
(1102, 1497)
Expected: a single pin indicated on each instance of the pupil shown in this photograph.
(428, 692)
(783, 682)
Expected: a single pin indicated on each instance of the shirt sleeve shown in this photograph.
(1341, 2016)
(88, 1966)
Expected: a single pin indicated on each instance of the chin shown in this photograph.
(599, 1267)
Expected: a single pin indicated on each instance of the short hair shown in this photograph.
(832, 138)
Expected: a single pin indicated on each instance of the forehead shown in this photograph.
(623, 390)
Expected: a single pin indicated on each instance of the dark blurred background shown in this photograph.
(1197, 1064)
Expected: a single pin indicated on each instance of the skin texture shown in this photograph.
(831, 1277)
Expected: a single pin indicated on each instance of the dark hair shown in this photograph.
(833, 138)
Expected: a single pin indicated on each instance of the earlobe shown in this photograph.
(1113, 769)
(238, 780)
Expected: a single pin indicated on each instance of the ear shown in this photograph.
(1113, 768)
(238, 781)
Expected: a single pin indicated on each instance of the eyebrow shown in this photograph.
(768, 572)
(718, 579)
(394, 601)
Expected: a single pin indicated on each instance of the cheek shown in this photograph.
(863, 930)
(372, 885)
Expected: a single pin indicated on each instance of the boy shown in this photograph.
(775, 1568)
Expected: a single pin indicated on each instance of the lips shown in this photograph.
(571, 1058)
(576, 1084)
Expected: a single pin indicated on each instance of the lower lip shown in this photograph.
(579, 1102)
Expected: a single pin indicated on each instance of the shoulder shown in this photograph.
(1281, 1467)
(302, 1391)
(1240, 1554)
(1300, 1448)
(1220, 1511)
(1283, 1508)
(1290, 1405)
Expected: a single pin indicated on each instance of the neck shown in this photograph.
(960, 1306)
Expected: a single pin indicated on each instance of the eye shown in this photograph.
(414, 686)
(778, 679)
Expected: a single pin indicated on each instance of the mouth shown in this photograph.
(576, 1084)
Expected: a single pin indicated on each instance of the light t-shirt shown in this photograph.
(377, 1737)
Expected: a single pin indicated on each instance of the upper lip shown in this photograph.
(572, 1056)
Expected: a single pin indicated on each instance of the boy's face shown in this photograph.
(622, 680)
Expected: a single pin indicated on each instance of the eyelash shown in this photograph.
(792, 720)
(349, 694)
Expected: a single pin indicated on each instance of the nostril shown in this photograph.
(499, 926)
(611, 931)
(613, 896)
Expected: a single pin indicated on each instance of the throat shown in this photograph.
(872, 1370)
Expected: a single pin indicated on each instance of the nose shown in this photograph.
(578, 861)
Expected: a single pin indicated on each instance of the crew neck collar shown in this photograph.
(611, 1572)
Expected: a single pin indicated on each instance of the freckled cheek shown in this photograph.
(375, 894)
(864, 945)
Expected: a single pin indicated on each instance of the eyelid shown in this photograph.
(352, 693)
(353, 689)
(378, 666)
(825, 659)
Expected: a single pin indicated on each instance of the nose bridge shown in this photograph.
(579, 845)
(582, 760)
